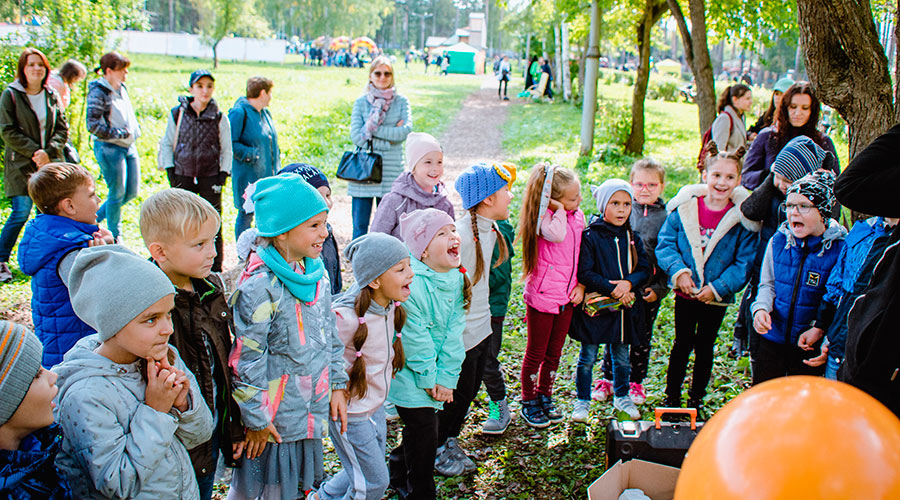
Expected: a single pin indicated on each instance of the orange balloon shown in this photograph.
(795, 438)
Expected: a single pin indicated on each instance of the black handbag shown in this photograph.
(360, 166)
(70, 154)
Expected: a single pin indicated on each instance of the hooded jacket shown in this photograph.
(252, 148)
(725, 263)
(387, 141)
(554, 277)
(116, 446)
(110, 115)
(606, 254)
(203, 145)
(46, 240)
(647, 221)
(377, 351)
(21, 134)
(30, 472)
(432, 337)
(793, 277)
(286, 357)
(406, 196)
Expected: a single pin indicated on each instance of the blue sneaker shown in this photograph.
(533, 414)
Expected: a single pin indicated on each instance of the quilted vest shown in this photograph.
(197, 146)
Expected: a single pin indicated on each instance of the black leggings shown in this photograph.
(411, 463)
(493, 372)
(696, 327)
(772, 360)
(452, 417)
(504, 84)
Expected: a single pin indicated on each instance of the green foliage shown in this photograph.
(332, 18)
(664, 88)
(222, 18)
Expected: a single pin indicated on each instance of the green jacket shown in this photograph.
(21, 135)
(500, 281)
(432, 337)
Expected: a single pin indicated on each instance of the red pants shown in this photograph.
(546, 338)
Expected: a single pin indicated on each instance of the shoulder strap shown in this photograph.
(178, 125)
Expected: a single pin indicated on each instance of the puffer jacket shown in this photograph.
(607, 253)
(554, 275)
(405, 196)
(387, 141)
(30, 472)
(647, 221)
(110, 115)
(793, 277)
(21, 134)
(203, 326)
(252, 149)
(287, 355)
(46, 240)
(726, 262)
(116, 446)
(432, 337)
(331, 257)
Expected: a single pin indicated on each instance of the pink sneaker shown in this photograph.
(602, 390)
(637, 393)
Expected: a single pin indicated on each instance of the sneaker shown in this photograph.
(390, 412)
(5, 273)
(627, 405)
(637, 393)
(533, 414)
(581, 413)
(505, 98)
(550, 411)
(460, 456)
(446, 464)
(602, 390)
(498, 418)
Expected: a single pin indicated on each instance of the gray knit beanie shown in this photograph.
(372, 254)
(20, 362)
(110, 285)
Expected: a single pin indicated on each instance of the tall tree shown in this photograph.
(652, 12)
(592, 64)
(222, 18)
(696, 52)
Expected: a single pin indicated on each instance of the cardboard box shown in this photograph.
(655, 480)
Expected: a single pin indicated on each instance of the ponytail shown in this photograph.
(467, 291)
(479, 256)
(399, 321)
(358, 385)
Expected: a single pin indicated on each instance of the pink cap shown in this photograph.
(419, 144)
(418, 228)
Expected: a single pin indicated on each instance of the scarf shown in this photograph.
(381, 102)
(305, 286)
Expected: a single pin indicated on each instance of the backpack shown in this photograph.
(707, 136)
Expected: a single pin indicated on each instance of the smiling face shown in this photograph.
(442, 254)
(803, 225)
(145, 336)
(571, 197)
(36, 409)
(799, 109)
(721, 177)
(82, 206)
(647, 186)
(304, 240)
(382, 76)
(191, 255)
(428, 171)
(618, 208)
(202, 90)
(393, 284)
(496, 206)
(35, 71)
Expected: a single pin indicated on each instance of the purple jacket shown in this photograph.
(555, 274)
(761, 156)
(406, 196)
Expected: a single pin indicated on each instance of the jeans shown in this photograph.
(122, 173)
(640, 353)
(832, 367)
(21, 208)
(364, 473)
(621, 369)
(361, 209)
(205, 483)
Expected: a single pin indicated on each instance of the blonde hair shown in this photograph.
(381, 61)
(174, 213)
(648, 164)
(531, 205)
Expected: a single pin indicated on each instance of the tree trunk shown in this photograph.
(172, 16)
(847, 66)
(564, 62)
(696, 52)
(557, 82)
(592, 63)
(653, 10)
(216, 53)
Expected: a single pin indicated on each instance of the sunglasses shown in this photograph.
(379, 74)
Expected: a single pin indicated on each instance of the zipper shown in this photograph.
(794, 293)
(622, 276)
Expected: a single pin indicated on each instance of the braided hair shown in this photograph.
(358, 386)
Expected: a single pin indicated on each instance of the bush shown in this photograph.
(613, 121)
(664, 88)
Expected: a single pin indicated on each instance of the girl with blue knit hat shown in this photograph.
(287, 358)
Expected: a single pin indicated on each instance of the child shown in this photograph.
(29, 440)
(648, 213)
(706, 247)
(369, 321)
(485, 195)
(287, 357)
(419, 188)
(611, 264)
(196, 148)
(331, 255)
(432, 345)
(550, 229)
(795, 269)
(128, 406)
(179, 229)
(64, 193)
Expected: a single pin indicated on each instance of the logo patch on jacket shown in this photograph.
(812, 278)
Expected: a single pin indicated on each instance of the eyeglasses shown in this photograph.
(802, 208)
(650, 186)
(379, 74)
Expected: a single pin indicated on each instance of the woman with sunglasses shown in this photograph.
(381, 118)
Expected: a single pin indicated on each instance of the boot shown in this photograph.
(498, 418)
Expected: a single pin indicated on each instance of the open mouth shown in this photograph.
(453, 250)
(405, 289)
(797, 225)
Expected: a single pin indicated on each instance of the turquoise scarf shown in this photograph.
(302, 286)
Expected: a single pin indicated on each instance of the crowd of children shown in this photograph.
(152, 385)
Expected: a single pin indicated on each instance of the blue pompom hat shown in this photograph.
(283, 202)
(482, 180)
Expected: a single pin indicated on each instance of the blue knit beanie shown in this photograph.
(799, 157)
(309, 173)
(283, 202)
(482, 180)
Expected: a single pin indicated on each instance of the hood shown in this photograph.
(407, 186)
(208, 113)
(598, 223)
(442, 281)
(101, 82)
(16, 85)
(35, 456)
(242, 102)
(691, 191)
(49, 234)
(834, 232)
(733, 112)
(81, 362)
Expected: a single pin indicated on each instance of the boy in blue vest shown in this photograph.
(798, 261)
(64, 194)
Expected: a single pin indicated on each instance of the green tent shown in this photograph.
(462, 58)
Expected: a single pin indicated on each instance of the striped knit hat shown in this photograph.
(799, 157)
(20, 362)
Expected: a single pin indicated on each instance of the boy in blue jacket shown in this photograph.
(64, 193)
(798, 263)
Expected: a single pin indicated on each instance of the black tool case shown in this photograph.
(657, 441)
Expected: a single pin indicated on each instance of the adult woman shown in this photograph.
(34, 131)
(381, 117)
(767, 118)
(63, 79)
(729, 130)
(797, 115)
(254, 144)
(112, 122)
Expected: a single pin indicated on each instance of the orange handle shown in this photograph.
(692, 412)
